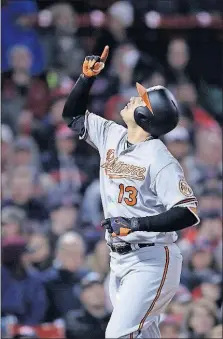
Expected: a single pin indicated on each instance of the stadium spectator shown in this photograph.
(40, 256)
(178, 143)
(91, 205)
(44, 133)
(120, 17)
(89, 322)
(211, 199)
(210, 290)
(178, 56)
(25, 123)
(61, 164)
(124, 60)
(26, 154)
(169, 328)
(13, 219)
(22, 91)
(19, 20)
(206, 162)
(64, 276)
(6, 146)
(98, 261)
(7, 138)
(63, 47)
(201, 266)
(201, 319)
(180, 304)
(23, 195)
(23, 295)
(64, 210)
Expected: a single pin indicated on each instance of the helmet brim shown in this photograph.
(144, 95)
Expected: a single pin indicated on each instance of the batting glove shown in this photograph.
(121, 226)
(93, 64)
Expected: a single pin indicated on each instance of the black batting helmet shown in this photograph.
(161, 114)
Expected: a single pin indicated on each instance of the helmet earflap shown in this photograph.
(143, 117)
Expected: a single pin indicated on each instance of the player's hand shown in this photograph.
(94, 64)
(120, 226)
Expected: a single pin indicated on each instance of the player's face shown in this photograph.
(127, 113)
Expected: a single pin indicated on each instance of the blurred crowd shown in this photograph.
(55, 262)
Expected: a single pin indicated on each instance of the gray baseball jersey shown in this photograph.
(137, 181)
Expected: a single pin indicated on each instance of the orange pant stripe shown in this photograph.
(158, 291)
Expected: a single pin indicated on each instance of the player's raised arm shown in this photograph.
(76, 103)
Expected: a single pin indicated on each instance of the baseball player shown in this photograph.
(145, 198)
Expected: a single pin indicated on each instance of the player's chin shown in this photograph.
(127, 115)
(124, 113)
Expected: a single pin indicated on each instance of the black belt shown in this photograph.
(127, 248)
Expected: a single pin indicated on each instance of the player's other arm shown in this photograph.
(76, 104)
(178, 198)
(175, 219)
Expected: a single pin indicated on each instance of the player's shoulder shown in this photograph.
(160, 155)
(158, 150)
(156, 144)
(109, 124)
(115, 133)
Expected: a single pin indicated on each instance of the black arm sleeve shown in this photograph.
(174, 219)
(77, 100)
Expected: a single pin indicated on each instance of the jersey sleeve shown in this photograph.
(93, 129)
(171, 187)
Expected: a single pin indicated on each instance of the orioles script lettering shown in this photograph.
(118, 169)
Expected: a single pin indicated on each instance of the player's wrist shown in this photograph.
(85, 76)
(86, 81)
(143, 224)
(137, 225)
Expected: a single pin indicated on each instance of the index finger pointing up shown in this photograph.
(104, 54)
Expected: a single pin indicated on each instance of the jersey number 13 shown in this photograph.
(132, 192)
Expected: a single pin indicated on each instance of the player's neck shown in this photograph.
(136, 134)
